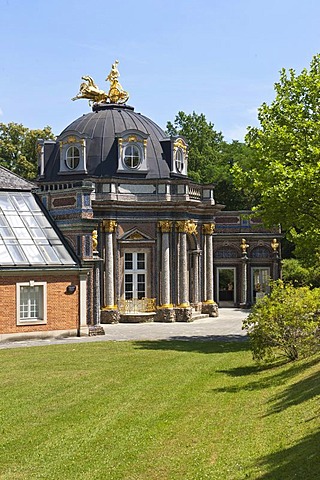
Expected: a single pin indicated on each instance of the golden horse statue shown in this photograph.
(90, 91)
(116, 94)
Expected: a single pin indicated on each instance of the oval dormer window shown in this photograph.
(179, 160)
(132, 156)
(73, 157)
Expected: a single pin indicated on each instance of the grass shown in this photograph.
(156, 410)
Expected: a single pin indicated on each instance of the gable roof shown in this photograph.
(28, 235)
(11, 181)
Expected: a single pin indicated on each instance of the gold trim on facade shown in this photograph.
(208, 228)
(165, 226)
(179, 144)
(186, 226)
(94, 236)
(274, 245)
(109, 226)
(244, 245)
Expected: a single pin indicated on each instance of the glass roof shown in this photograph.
(26, 236)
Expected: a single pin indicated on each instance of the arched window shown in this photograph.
(132, 156)
(73, 157)
(179, 159)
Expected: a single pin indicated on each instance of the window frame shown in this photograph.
(135, 272)
(131, 156)
(179, 162)
(41, 319)
(71, 158)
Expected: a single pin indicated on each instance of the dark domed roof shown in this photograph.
(101, 129)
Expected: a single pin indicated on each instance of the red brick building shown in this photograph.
(42, 286)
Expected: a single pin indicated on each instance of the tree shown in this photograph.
(285, 323)
(284, 173)
(18, 148)
(210, 158)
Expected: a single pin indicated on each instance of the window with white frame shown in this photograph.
(72, 157)
(179, 159)
(132, 156)
(31, 303)
(135, 275)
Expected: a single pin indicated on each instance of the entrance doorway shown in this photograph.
(226, 286)
(260, 282)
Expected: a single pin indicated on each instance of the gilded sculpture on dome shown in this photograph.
(91, 91)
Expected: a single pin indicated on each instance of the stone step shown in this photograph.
(198, 316)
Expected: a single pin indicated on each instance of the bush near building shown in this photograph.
(285, 323)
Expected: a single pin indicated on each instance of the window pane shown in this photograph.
(5, 203)
(73, 158)
(128, 261)
(31, 302)
(132, 156)
(141, 261)
(4, 255)
(20, 203)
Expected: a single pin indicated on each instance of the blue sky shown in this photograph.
(217, 57)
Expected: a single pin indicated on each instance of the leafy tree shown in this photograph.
(285, 323)
(210, 158)
(284, 173)
(18, 148)
(293, 271)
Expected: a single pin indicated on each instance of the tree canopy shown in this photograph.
(284, 172)
(210, 157)
(18, 148)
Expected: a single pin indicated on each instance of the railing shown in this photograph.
(137, 305)
(195, 193)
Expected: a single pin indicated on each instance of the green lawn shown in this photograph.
(156, 410)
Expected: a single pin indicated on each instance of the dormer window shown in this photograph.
(72, 154)
(179, 159)
(73, 157)
(132, 149)
(132, 156)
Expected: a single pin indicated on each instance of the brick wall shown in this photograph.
(62, 309)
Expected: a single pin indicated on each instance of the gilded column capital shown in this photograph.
(208, 228)
(165, 226)
(109, 226)
(186, 226)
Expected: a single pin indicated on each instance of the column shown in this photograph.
(83, 303)
(110, 312)
(244, 274)
(275, 259)
(165, 228)
(184, 311)
(209, 306)
(165, 311)
(109, 227)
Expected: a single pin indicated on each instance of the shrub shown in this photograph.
(286, 322)
(300, 275)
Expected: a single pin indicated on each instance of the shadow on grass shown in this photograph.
(297, 393)
(275, 378)
(301, 461)
(196, 344)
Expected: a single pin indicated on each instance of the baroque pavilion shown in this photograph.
(156, 245)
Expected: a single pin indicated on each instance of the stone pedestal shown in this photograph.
(166, 315)
(210, 308)
(183, 314)
(110, 316)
